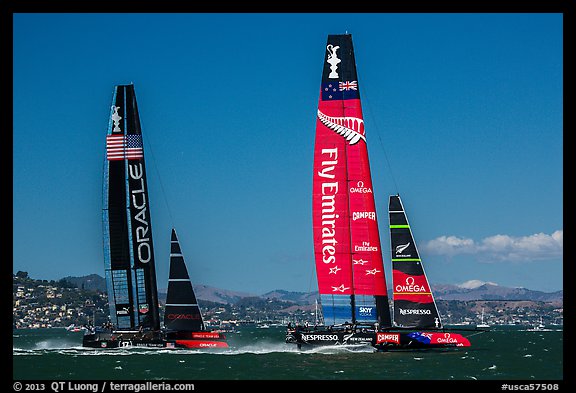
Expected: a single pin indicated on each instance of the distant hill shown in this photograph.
(467, 292)
(93, 282)
(485, 291)
(489, 291)
(217, 295)
(295, 297)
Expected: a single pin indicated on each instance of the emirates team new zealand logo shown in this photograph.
(400, 249)
(351, 128)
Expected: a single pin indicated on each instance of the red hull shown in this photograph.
(201, 344)
(382, 340)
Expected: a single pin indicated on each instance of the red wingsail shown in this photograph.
(349, 264)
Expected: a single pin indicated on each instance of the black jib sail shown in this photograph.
(182, 311)
(414, 305)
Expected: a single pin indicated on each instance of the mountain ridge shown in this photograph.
(470, 290)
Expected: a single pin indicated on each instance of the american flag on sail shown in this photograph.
(348, 85)
(120, 147)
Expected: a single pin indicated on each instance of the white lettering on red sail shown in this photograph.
(359, 187)
(413, 288)
(345, 222)
(364, 233)
(365, 247)
(363, 215)
(330, 214)
(329, 222)
(329, 165)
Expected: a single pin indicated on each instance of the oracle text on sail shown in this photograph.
(140, 220)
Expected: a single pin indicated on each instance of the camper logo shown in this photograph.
(388, 338)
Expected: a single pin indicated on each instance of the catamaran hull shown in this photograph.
(131, 340)
(381, 341)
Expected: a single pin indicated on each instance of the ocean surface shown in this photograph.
(503, 354)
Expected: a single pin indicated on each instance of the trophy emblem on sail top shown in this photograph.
(116, 118)
(333, 60)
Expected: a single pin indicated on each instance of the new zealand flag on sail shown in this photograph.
(334, 90)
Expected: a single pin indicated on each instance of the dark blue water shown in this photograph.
(503, 354)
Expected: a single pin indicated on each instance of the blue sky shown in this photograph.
(463, 116)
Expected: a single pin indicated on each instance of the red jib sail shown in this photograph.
(349, 267)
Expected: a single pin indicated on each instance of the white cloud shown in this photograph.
(471, 284)
(501, 247)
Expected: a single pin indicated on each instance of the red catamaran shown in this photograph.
(348, 254)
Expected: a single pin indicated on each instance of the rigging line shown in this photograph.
(348, 207)
(375, 125)
(311, 278)
(160, 181)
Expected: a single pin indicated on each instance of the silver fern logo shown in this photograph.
(401, 248)
(351, 128)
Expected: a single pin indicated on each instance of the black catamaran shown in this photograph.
(129, 253)
(349, 264)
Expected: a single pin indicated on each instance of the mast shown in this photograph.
(128, 247)
(414, 305)
(348, 254)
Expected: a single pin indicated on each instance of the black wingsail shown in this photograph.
(128, 248)
(182, 311)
